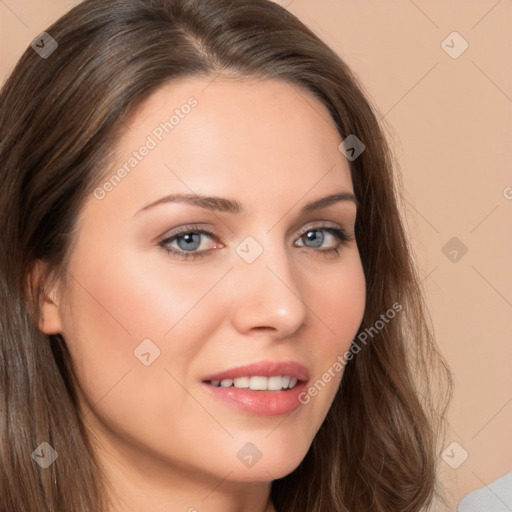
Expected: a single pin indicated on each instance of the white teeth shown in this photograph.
(258, 383)
(274, 383)
(241, 382)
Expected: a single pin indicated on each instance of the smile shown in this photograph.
(264, 388)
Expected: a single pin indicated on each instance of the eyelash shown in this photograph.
(341, 234)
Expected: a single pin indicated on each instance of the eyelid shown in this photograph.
(322, 224)
(196, 228)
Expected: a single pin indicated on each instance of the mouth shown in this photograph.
(266, 388)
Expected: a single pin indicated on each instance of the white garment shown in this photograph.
(495, 497)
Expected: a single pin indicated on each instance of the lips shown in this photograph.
(259, 401)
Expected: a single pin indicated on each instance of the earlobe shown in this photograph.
(49, 320)
(49, 317)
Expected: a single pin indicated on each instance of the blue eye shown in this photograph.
(188, 240)
(316, 237)
(191, 241)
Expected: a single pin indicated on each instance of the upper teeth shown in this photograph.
(257, 383)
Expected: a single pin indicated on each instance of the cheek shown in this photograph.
(338, 308)
(124, 308)
(122, 299)
(338, 302)
(115, 308)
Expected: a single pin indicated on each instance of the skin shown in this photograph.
(164, 443)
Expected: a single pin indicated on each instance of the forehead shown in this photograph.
(224, 136)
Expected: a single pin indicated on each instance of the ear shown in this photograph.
(50, 317)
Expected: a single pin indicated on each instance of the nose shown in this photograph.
(267, 295)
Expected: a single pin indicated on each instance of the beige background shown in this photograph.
(449, 120)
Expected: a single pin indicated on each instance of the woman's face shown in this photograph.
(165, 296)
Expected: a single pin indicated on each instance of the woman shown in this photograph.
(208, 300)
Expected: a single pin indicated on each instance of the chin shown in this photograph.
(266, 469)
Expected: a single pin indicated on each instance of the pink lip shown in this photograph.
(263, 369)
(263, 403)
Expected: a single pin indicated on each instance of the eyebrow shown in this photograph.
(224, 205)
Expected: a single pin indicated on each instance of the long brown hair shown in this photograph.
(60, 117)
